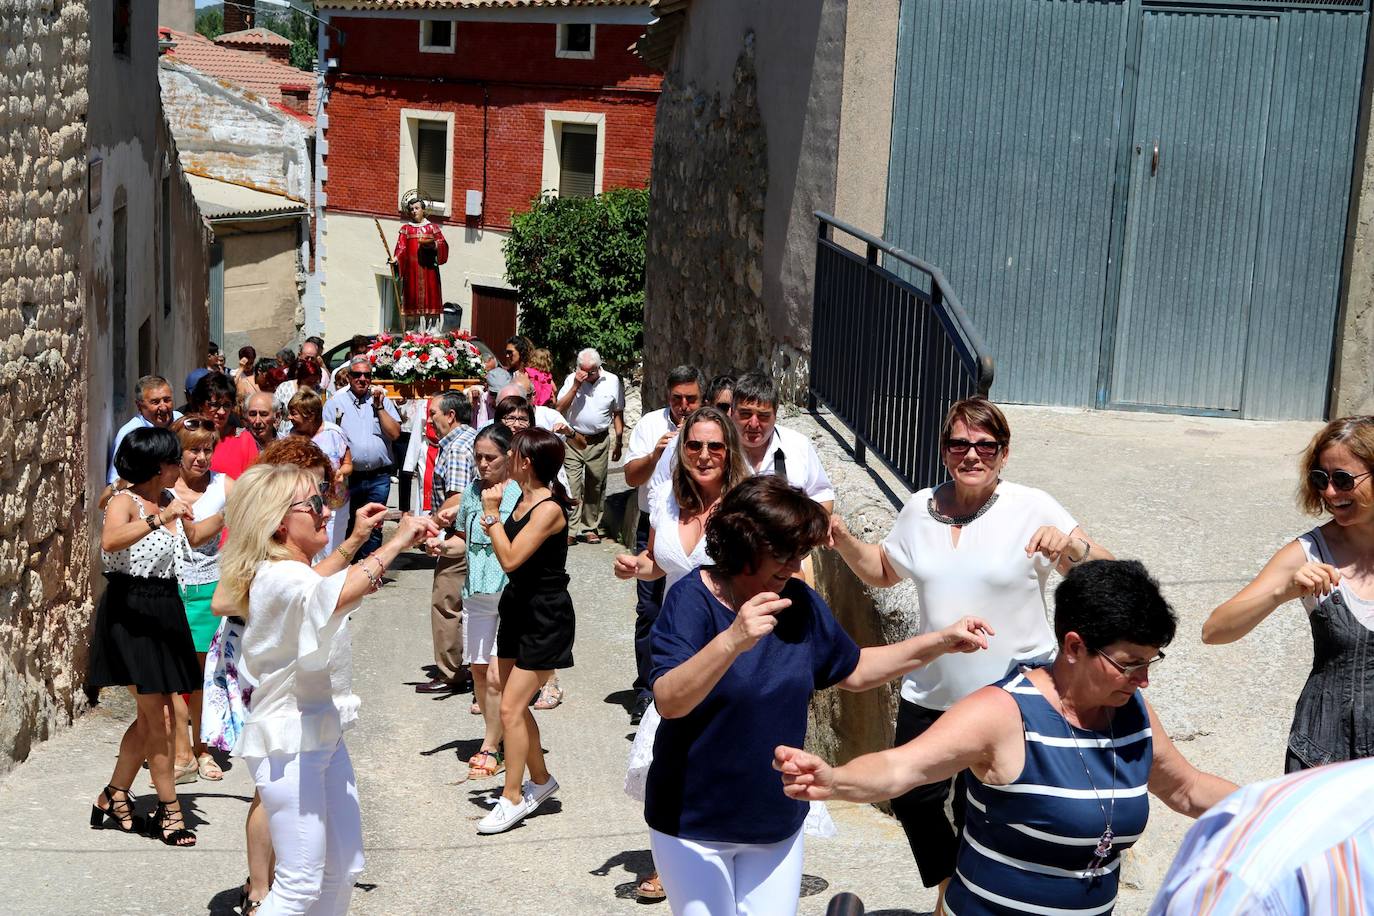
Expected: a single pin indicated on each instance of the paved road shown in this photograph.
(424, 855)
(1203, 502)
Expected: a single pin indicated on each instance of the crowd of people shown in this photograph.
(243, 529)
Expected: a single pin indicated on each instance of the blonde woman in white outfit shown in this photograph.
(296, 651)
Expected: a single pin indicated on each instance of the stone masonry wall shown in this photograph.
(45, 600)
(704, 274)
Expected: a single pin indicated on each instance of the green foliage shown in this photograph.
(300, 29)
(578, 266)
(210, 22)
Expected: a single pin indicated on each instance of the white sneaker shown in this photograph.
(536, 795)
(504, 816)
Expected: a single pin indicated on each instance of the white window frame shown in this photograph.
(426, 48)
(553, 136)
(561, 41)
(407, 170)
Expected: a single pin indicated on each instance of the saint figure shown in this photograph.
(420, 249)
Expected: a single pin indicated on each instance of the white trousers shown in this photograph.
(719, 879)
(317, 830)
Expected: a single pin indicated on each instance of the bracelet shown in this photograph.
(1087, 549)
(374, 581)
(345, 553)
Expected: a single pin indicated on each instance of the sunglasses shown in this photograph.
(696, 445)
(1343, 481)
(314, 504)
(723, 405)
(197, 423)
(960, 447)
(1130, 670)
(353, 374)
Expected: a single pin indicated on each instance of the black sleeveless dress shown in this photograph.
(536, 611)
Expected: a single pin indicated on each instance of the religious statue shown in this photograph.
(420, 249)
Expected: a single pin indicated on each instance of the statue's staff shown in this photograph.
(391, 262)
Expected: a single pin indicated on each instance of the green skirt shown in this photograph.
(203, 621)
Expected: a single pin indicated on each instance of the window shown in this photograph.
(574, 152)
(426, 160)
(122, 26)
(436, 36)
(577, 40)
(577, 161)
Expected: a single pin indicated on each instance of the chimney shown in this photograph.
(236, 17)
(296, 97)
(177, 14)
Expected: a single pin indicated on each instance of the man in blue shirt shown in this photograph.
(371, 424)
(153, 398)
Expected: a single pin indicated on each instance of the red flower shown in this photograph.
(424, 357)
(397, 355)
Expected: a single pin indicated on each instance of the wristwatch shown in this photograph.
(488, 521)
(154, 522)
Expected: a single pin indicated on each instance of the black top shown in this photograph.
(546, 570)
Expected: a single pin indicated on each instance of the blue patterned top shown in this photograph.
(1028, 846)
(485, 575)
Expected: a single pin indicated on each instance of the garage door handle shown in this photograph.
(1154, 161)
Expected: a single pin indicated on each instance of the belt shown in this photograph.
(582, 440)
(372, 472)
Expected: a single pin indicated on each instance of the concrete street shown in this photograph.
(1203, 502)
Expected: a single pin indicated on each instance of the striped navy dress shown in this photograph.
(1027, 847)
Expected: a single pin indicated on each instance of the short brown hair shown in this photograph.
(763, 516)
(308, 404)
(689, 499)
(978, 413)
(1355, 433)
(296, 450)
(204, 436)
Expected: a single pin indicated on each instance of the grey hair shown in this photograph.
(360, 359)
(148, 381)
(588, 355)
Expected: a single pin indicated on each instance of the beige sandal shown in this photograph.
(485, 764)
(207, 768)
(182, 773)
(651, 888)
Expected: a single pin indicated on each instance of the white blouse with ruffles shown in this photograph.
(298, 655)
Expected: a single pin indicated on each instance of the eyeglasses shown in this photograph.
(696, 445)
(1130, 670)
(723, 405)
(353, 374)
(314, 504)
(985, 449)
(197, 423)
(1344, 481)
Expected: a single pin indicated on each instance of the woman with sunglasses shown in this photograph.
(974, 543)
(1330, 569)
(305, 416)
(1058, 758)
(739, 649)
(296, 650)
(711, 463)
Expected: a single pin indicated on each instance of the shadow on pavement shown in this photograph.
(622, 698)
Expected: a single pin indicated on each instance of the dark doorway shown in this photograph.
(493, 315)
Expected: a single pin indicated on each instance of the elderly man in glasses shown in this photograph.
(235, 453)
(370, 423)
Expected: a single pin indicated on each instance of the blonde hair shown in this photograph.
(1355, 433)
(261, 499)
(541, 358)
(308, 404)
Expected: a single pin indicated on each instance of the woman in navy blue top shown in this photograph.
(1060, 756)
(737, 652)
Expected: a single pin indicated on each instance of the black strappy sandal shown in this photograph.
(116, 813)
(160, 827)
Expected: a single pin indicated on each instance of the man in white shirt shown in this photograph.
(768, 448)
(153, 398)
(593, 400)
(651, 437)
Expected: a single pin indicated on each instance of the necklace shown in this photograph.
(1104, 842)
(958, 519)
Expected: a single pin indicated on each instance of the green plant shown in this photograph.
(210, 23)
(577, 264)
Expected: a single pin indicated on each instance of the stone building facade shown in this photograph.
(98, 224)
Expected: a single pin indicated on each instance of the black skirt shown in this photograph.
(536, 629)
(141, 638)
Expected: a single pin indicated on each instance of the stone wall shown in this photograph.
(44, 533)
(704, 275)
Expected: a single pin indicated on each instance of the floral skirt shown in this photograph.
(225, 704)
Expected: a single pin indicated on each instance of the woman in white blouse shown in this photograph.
(711, 463)
(974, 544)
(296, 651)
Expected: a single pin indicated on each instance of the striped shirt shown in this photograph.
(1028, 846)
(454, 467)
(1302, 844)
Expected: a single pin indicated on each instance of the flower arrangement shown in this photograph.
(414, 357)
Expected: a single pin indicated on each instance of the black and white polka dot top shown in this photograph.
(153, 556)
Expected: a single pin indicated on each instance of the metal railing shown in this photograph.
(888, 355)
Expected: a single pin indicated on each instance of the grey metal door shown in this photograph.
(1193, 213)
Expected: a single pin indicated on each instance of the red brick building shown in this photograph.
(483, 105)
